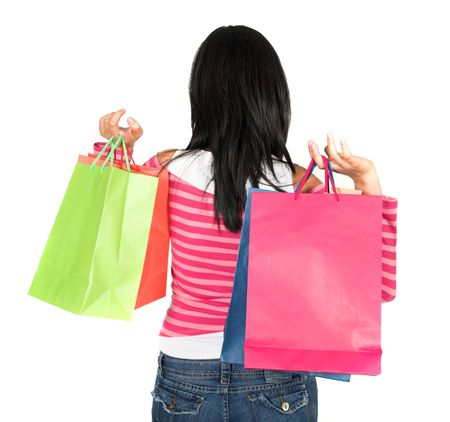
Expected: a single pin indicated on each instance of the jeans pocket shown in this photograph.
(276, 404)
(173, 401)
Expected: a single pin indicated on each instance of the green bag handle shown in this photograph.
(111, 153)
(110, 156)
(92, 167)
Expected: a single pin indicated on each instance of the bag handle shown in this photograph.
(328, 177)
(111, 153)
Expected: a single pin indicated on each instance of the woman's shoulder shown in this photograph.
(310, 184)
(165, 155)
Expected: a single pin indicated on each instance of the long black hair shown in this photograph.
(240, 112)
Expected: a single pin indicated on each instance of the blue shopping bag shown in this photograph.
(234, 332)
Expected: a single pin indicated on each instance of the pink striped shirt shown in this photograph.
(204, 258)
(203, 261)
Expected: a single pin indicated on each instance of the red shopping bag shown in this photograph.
(314, 271)
(154, 274)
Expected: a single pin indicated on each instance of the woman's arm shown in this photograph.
(312, 183)
(368, 183)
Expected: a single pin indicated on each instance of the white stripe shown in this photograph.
(221, 262)
(202, 304)
(388, 261)
(193, 325)
(181, 294)
(204, 292)
(234, 241)
(388, 275)
(389, 222)
(388, 248)
(387, 235)
(210, 281)
(210, 225)
(169, 332)
(178, 192)
(388, 290)
(201, 269)
(191, 210)
(195, 313)
(201, 248)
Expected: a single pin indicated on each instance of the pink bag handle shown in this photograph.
(328, 177)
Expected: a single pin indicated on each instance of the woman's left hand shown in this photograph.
(343, 161)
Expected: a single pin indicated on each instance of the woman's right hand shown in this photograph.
(109, 126)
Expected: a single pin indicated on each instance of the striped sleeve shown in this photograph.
(153, 162)
(320, 188)
(388, 247)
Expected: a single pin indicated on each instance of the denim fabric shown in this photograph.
(211, 391)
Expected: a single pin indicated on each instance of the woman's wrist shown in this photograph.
(368, 183)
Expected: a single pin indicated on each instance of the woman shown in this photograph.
(240, 119)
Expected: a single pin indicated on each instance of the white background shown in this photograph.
(375, 73)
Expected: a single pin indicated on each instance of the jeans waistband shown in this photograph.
(215, 368)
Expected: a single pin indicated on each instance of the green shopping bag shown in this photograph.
(93, 259)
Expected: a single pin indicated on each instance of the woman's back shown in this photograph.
(203, 257)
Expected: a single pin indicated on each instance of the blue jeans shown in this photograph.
(210, 390)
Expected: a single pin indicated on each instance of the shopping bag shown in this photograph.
(154, 273)
(93, 259)
(314, 271)
(234, 331)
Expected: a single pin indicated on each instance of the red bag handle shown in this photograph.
(328, 177)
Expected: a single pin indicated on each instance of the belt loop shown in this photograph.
(225, 373)
(274, 377)
(159, 370)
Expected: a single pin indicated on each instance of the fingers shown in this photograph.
(339, 160)
(109, 124)
(136, 130)
(333, 155)
(114, 122)
(346, 154)
(336, 158)
(104, 126)
(315, 154)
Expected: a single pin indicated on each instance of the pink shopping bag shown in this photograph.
(314, 271)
